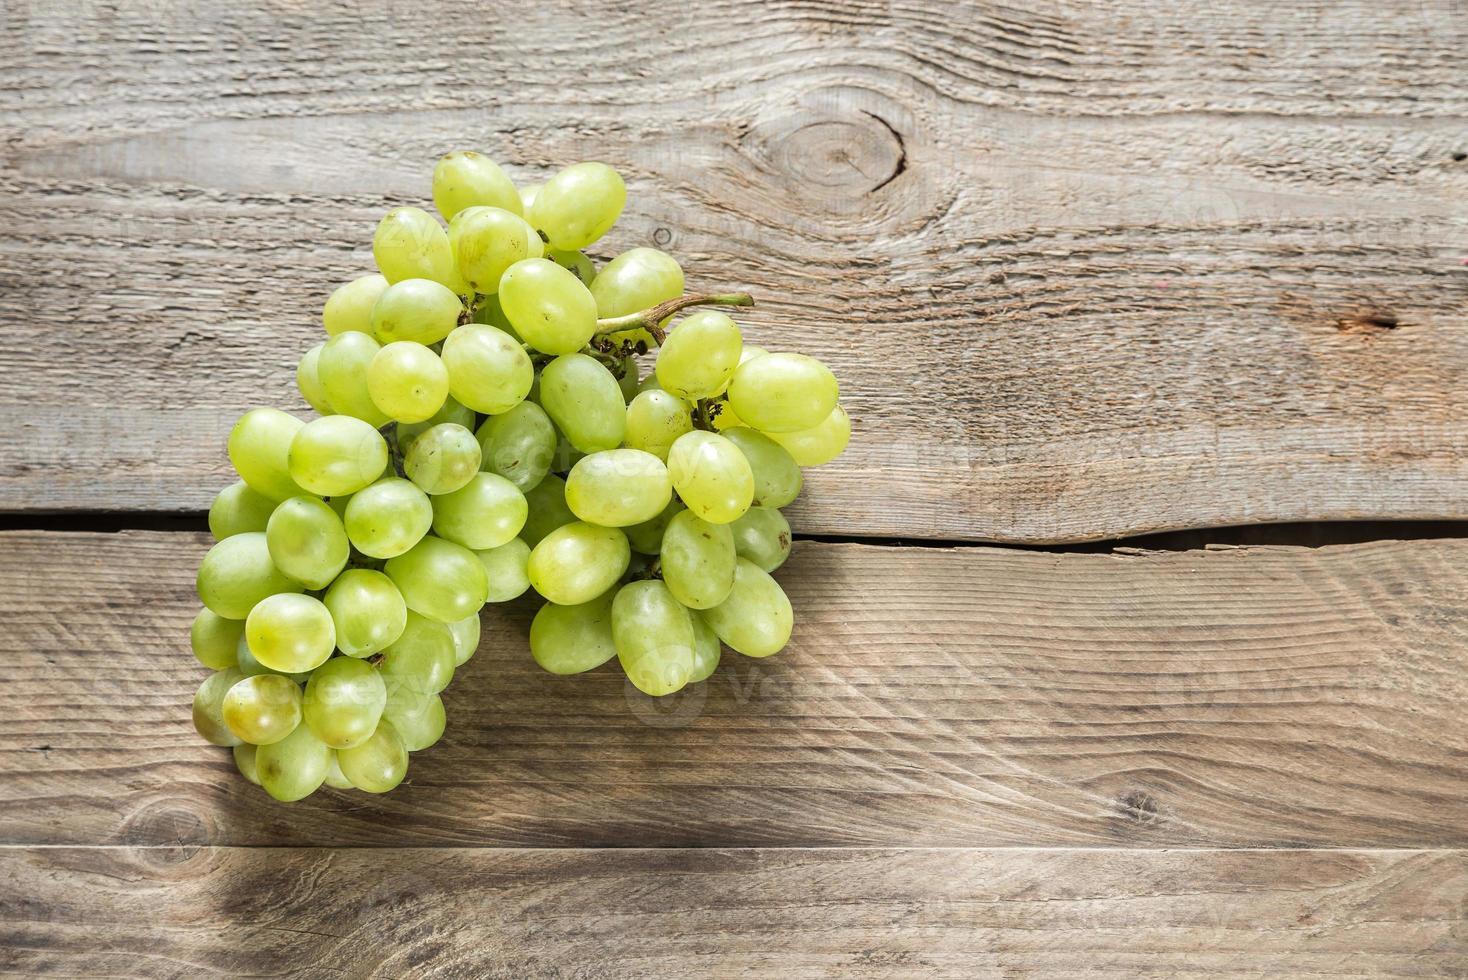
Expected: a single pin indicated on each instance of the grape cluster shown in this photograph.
(483, 431)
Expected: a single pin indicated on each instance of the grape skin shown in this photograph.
(700, 355)
(343, 702)
(584, 401)
(442, 459)
(579, 205)
(711, 476)
(698, 560)
(756, 618)
(259, 445)
(349, 307)
(367, 610)
(238, 509)
(783, 392)
(518, 445)
(654, 637)
(575, 563)
(572, 639)
(618, 487)
(485, 513)
(439, 579)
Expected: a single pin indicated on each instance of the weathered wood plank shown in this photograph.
(1085, 270)
(974, 696)
(184, 912)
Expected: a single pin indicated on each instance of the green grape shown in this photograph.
(783, 392)
(263, 709)
(417, 310)
(442, 459)
(547, 510)
(698, 560)
(578, 562)
(573, 262)
(647, 538)
(655, 420)
(654, 637)
(419, 721)
(367, 610)
(410, 244)
(466, 636)
(762, 535)
(338, 505)
(307, 541)
(756, 619)
(237, 573)
(518, 445)
(308, 381)
(244, 760)
(337, 455)
(777, 479)
(527, 197)
(750, 352)
(238, 509)
(618, 487)
(636, 280)
(439, 579)
(290, 632)
(627, 380)
(649, 383)
(209, 707)
(214, 639)
(566, 456)
(250, 667)
(295, 767)
(407, 381)
(548, 306)
(819, 444)
(378, 764)
(506, 568)
(487, 241)
(711, 476)
(583, 400)
(573, 639)
(344, 700)
(350, 306)
(465, 179)
(484, 513)
(258, 448)
(342, 369)
(706, 650)
(452, 411)
(334, 776)
(699, 356)
(387, 518)
(488, 311)
(423, 659)
(579, 205)
(488, 370)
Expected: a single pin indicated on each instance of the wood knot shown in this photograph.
(1138, 806)
(1368, 323)
(165, 823)
(849, 154)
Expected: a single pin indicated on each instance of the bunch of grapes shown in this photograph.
(483, 431)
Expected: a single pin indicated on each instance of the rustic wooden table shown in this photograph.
(1087, 270)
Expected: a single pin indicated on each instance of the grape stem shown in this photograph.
(651, 319)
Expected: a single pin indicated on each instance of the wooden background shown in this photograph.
(1086, 271)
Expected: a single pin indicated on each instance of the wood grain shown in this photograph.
(1085, 270)
(185, 912)
(1245, 697)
